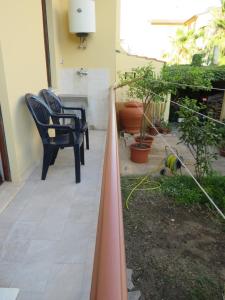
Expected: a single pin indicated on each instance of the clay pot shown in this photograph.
(164, 130)
(147, 140)
(153, 131)
(139, 153)
(222, 152)
(131, 116)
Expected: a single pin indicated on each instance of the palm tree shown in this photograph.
(218, 25)
(185, 45)
(207, 40)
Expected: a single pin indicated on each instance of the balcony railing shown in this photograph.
(109, 274)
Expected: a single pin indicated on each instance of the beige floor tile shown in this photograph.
(14, 250)
(33, 212)
(67, 283)
(5, 228)
(33, 277)
(23, 295)
(7, 271)
(22, 230)
(50, 228)
(47, 232)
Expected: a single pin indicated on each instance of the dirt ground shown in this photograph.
(176, 252)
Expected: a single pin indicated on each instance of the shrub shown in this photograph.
(200, 135)
(184, 190)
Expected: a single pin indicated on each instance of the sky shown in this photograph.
(136, 34)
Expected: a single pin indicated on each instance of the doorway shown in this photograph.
(4, 160)
(46, 42)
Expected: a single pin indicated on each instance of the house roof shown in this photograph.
(174, 22)
(166, 22)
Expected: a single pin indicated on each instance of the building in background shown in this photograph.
(154, 28)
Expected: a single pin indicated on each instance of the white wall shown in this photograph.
(95, 86)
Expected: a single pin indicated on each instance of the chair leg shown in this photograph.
(47, 156)
(77, 162)
(54, 155)
(82, 153)
(87, 138)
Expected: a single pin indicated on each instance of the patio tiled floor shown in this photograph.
(47, 232)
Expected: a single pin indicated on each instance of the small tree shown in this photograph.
(200, 135)
(144, 84)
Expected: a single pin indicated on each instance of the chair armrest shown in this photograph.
(82, 110)
(58, 127)
(64, 116)
(73, 134)
(69, 116)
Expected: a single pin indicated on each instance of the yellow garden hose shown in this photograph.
(142, 181)
(171, 162)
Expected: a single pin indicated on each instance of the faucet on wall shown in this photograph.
(82, 72)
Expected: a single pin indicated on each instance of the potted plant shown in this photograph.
(148, 139)
(140, 150)
(130, 116)
(165, 127)
(146, 87)
(153, 130)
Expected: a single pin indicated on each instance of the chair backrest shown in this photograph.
(40, 113)
(52, 100)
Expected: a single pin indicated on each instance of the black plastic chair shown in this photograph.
(55, 103)
(71, 137)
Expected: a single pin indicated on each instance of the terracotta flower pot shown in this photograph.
(153, 131)
(130, 117)
(147, 139)
(164, 130)
(139, 153)
(222, 152)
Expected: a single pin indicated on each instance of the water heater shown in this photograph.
(82, 17)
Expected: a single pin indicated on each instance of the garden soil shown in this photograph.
(176, 252)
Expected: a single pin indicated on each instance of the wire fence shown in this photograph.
(206, 88)
(182, 163)
(190, 85)
(186, 168)
(170, 147)
(194, 111)
(176, 103)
